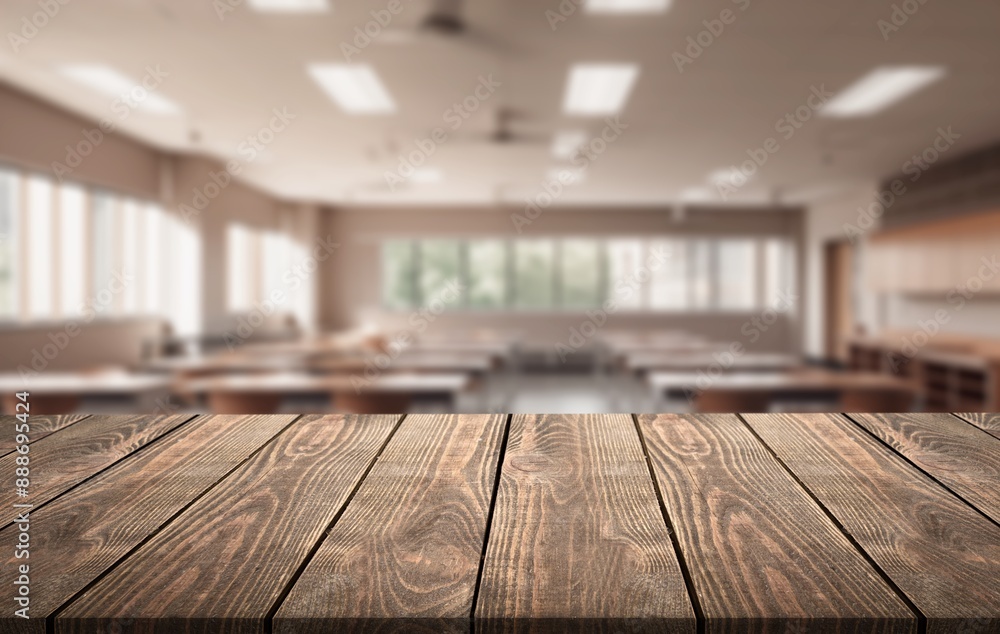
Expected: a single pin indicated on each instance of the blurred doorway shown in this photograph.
(838, 263)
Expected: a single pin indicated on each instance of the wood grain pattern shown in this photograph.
(407, 549)
(963, 458)
(83, 533)
(223, 564)
(40, 427)
(64, 459)
(578, 542)
(761, 550)
(990, 423)
(940, 552)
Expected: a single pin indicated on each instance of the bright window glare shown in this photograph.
(599, 89)
(356, 88)
(40, 251)
(109, 81)
(880, 89)
(627, 6)
(72, 256)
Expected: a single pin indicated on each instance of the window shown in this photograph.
(663, 274)
(487, 274)
(669, 281)
(9, 227)
(399, 269)
(580, 273)
(239, 274)
(440, 267)
(534, 264)
(93, 253)
(41, 300)
(72, 250)
(737, 275)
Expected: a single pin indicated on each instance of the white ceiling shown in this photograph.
(228, 75)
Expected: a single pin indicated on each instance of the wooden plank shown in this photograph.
(960, 456)
(224, 563)
(407, 549)
(763, 554)
(40, 427)
(578, 542)
(83, 533)
(62, 460)
(942, 554)
(990, 423)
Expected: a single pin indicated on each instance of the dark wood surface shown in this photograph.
(487, 523)
(735, 508)
(940, 552)
(40, 426)
(409, 545)
(577, 533)
(987, 422)
(961, 457)
(63, 460)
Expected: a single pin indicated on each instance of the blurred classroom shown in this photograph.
(499, 206)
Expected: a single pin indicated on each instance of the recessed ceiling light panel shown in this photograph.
(356, 88)
(626, 6)
(596, 90)
(109, 81)
(880, 89)
(289, 6)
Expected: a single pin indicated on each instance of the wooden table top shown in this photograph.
(560, 523)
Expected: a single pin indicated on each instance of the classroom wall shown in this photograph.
(35, 133)
(351, 281)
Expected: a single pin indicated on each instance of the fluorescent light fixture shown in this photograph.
(566, 143)
(599, 89)
(354, 87)
(426, 175)
(697, 195)
(565, 176)
(109, 81)
(289, 6)
(626, 6)
(729, 176)
(880, 89)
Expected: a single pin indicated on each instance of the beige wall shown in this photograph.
(351, 280)
(34, 134)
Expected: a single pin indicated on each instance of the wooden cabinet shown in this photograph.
(936, 258)
(966, 381)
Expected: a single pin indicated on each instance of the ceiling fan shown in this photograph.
(444, 21)
(503, 132)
